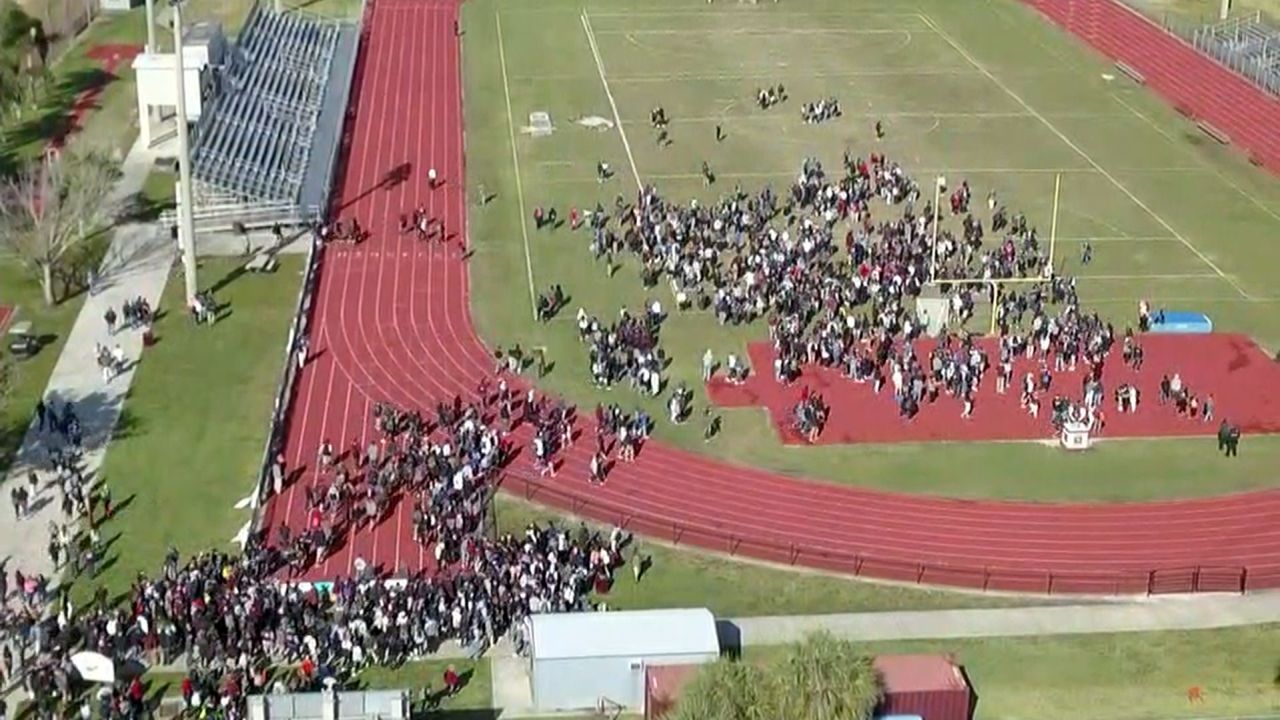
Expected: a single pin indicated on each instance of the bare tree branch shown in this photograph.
(51, 207)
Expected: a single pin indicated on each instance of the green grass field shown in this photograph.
(987, 92)
(111, 127)
(1128, 676)
(19, 288)
(190, 442)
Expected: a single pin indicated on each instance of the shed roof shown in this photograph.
(631, 633)
(919, 673)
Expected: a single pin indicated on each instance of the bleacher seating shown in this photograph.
(1248, 44)
(254, 145)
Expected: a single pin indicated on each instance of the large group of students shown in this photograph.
(832, 266)
(236, 619)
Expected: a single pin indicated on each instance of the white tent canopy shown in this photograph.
(94, 667)
(98, 668)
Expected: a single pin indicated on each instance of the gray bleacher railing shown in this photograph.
(1248, 45)
(335, 149)
(288, 379)
(250, 216)
(1258, 62)
(301, 323)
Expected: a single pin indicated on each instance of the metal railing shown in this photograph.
(1138, 581)
(274, 81)
(301, 321)
(223, 218)
(1247, 44)
(288, 378)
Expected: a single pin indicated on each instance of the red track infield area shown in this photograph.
(1243, 380)
(391, 323)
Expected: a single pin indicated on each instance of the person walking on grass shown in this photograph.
(452, 681)
(1228, 438)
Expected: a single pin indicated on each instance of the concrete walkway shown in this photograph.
(137, 264)
(1169, 613)
(511, 693)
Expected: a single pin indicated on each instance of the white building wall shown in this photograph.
(578, 683)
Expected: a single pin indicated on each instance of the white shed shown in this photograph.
(579, 660)
(204, 47)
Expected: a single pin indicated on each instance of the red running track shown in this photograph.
(391, 323)
(1243, 380)
(1188, 79)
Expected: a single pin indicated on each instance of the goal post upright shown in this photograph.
(995, 306)
(1053, 222)
(996, 286)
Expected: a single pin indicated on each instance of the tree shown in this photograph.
(49, 209)
(821, 678)
(727, 690)
(831, 680)
(23, 53)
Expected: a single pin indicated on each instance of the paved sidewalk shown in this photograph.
(511, 674)
(137, 264)
(1169, 613)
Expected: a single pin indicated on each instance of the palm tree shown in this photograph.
(821, 678)
(23, 49)
(727, 690)
(830, 680)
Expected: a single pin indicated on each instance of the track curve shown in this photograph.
(391, 322)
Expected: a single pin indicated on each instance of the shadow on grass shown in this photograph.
(473, 714)
(56, 117)
(145, 209)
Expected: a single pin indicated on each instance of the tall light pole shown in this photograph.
(186, 224)
(151, 26)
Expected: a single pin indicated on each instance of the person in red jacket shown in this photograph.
(452, 681)
(137, 693)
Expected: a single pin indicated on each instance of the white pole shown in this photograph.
(151, 26)
(186, 225)
(1224, 10)
(1053, 224)
(937, 198)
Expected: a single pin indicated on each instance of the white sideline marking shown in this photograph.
(515, 162)
(1164, 133)
(595, 52)
(1079, 151)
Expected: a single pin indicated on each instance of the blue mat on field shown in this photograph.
(1180, 321)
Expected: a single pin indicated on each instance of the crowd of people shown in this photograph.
(626, 349)
(820, 111)
(849, 302)
(236, 619)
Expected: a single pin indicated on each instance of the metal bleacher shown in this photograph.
(1248, 44)
(265, 148)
